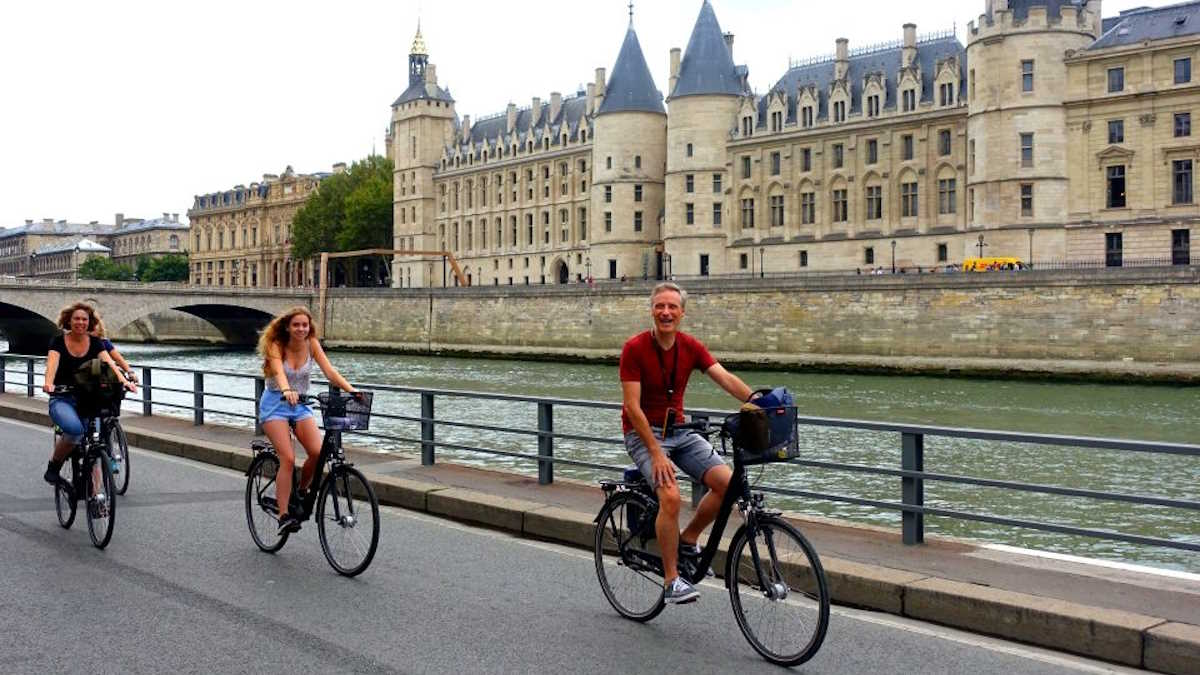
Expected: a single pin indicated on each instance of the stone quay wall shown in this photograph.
(1104, 315)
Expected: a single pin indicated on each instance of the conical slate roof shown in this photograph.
(631, 87)
(707, 66)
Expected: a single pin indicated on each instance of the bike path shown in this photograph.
(1033, 599)
(182, 588)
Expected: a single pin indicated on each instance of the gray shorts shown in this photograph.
(689, 451)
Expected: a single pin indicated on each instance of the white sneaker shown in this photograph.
(680, 592)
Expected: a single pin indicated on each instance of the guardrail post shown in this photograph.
(260, 384)
(912, 458)
(698, 489)
(427, 428)
(29, 378)
(147, 388)
(197, 398)
(545, 443)
(3, 374)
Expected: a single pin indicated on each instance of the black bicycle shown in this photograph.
(776, 584)
(347, 511)
(87, 476)
(118, 448)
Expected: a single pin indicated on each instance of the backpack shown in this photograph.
(97, 387)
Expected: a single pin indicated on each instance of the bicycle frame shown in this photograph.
(331, 453)
(693, 569)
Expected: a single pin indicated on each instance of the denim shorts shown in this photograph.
(688, 450)
(273, 406)
(65, 413)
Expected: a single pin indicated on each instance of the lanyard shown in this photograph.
(668, 384)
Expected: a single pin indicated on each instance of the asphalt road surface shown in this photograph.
(183, 589)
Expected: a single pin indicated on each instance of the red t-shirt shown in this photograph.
(640, 362)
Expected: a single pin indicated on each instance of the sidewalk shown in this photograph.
(1126, 616)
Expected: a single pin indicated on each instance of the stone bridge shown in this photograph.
(29, 308)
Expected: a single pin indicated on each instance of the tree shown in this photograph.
(348, 211)
(104, 269)
(173, 267)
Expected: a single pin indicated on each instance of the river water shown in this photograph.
(1156, 413)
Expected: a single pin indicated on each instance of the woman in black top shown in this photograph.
(67, 352)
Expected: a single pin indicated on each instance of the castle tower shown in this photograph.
(703, 108)
(1016, 126)
(629, 157)
(422, 123)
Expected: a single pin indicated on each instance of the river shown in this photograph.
(1156, 413)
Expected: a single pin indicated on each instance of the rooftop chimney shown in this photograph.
(729, 43)
(120, 219)
(174, 217)
(430, 74)
(910, 44)
(841, 62)
(555, 105)
(512, 118)
(674, 70)
(535, 112)
(466, 127)
(591, 97)
(600, 88)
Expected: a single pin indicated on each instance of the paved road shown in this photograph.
(182, 588)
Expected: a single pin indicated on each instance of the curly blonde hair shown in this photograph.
(276, 334)
(64, 317)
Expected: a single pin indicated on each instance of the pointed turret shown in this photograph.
(631, 87)
(707, 66)
(422, 77)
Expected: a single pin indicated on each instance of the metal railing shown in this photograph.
(911, 473)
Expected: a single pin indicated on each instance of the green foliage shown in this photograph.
(173, 267)
(104, 269)
(349, 211)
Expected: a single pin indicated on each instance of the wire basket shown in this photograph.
(346, 412)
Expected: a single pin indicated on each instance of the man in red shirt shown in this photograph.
(655, 367)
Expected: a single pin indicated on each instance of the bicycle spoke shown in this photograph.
(779, 593)
(634, 591)
(348, 525)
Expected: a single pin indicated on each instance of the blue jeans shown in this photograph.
(66, 416)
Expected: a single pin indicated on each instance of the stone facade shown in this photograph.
(1095, 315)
(242, 237)
(154, 237)
(124, 241)
(918, 153)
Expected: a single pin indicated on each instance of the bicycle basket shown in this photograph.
(344, 412)
(764, 435)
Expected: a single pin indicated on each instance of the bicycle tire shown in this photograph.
(121, 477)
(350, 518)
(636, 594)
(101, 509)
(64, 499)
(796, 592)
(262, 511)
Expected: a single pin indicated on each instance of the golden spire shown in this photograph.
(418, 45)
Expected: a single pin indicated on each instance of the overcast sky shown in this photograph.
(134, 106)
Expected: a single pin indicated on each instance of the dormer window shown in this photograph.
(747, 126)
(839, 111)
(909, 100)
(873, 105)
(806, 116)
(777, 121)
(946, 94)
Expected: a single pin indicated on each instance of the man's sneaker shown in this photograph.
(691, 550)
(680, 592)
(287, 525)
(52, 475)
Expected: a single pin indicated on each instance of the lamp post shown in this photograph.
(893, 256)
(981, 245)
(761, 272)
(1030, 231)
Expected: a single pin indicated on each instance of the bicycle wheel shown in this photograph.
(262, 511)
(101, 499)
(348, 521)
(64, 498)
(624, 528)
(778, 590)
(118, 448)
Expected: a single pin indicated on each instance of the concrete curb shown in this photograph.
(1111, 635)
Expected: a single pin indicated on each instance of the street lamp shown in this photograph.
(761, 251)
(981, 245)
(1030, 231)
(893, 256)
